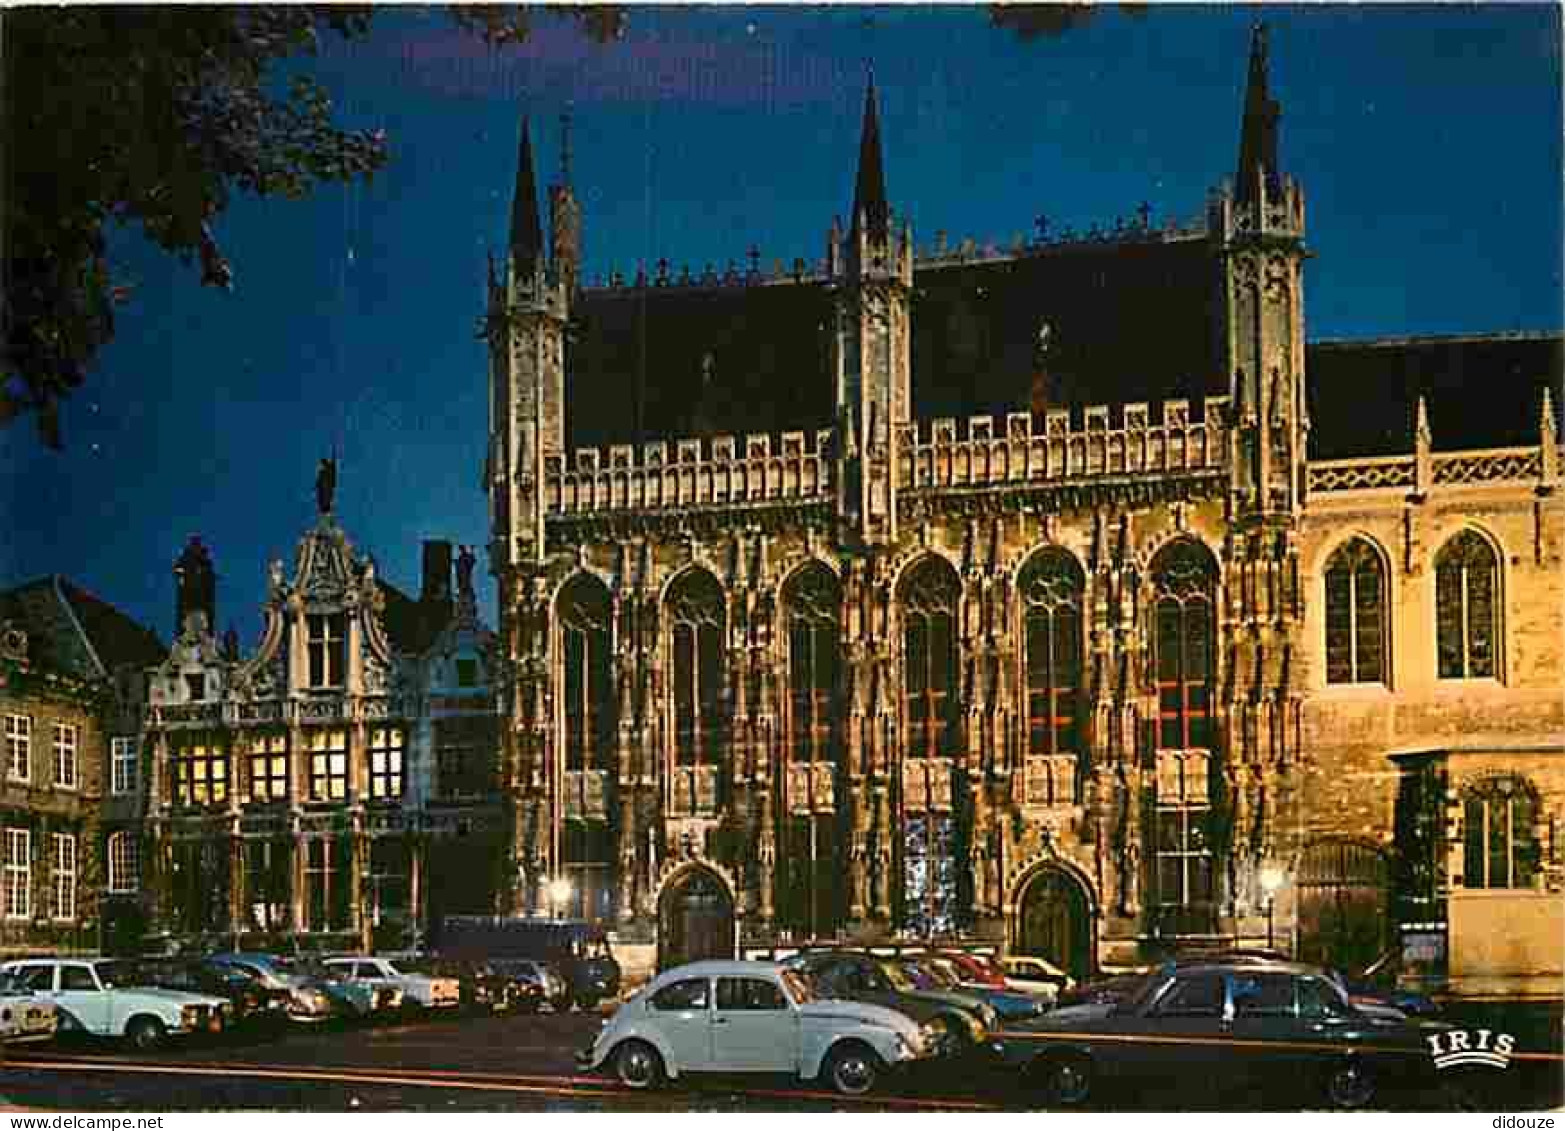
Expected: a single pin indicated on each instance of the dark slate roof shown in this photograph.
(73, 632)
(1129, 320)
(1481, 390)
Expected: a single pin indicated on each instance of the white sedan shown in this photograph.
(752, 1017)
(418, 989)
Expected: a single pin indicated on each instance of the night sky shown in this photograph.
(1427, 141)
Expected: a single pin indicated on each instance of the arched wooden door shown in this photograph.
(1054, 921)
(695, 919)
(1343, 903)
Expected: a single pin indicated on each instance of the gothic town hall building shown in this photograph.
(1024, 594)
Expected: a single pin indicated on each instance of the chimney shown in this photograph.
(436, 586)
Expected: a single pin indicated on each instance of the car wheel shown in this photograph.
(1065, 1080)
(144, 1033)
(1350, 1085)
(637, 1065)
(852, 1070)
(588, 1003)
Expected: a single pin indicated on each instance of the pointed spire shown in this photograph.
(1421, 433)
(1258, 138)
(869, 191)
(526, 228)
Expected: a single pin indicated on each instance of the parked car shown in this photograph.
(26, 1016)
(1284, 1023)
(1036, 976)
(249, 1002)
(934, 972)
(308, 1001)
(578, 948)
(482, 986)
(974, 969)
(420, 991)
(350, 998)
(102, 997)
(753, 1017)
(963, 1021)
(541, 983)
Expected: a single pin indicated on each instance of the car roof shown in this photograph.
(714, 967)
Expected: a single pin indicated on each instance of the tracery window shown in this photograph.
(1500, 841)
(1051, 588)
(589, 858)
(584, 614)
(930, 595)
(698, 620)
(809, 885)
(1183, 817)
(1355, 615)
(1467, 613)
(1184, 581)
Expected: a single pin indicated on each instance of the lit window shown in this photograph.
(66, 738)
(64, 876)
(385, 763)
(1355, 615)
(200, 770)
(328, 764)
(1467, 608)
(18, 874)
(1500, 844)
(327, 649)
(124, 760)
(124, 862)
(269, 768)
(19, 747)
(1184, 581)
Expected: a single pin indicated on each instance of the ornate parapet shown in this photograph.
(1399, 474)
(720, 472)
(1017, 453)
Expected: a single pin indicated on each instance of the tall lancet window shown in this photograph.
(809, 887)
(930, 596)
(1467, 607)
(1051, 588)
(1355, 615)
(584, 614)
(698, 621)
(1184, 580)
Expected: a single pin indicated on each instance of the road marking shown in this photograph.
(579, 1086)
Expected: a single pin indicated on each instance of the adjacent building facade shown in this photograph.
(1006, 594)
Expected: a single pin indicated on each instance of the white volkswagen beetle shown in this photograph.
(752, 1017)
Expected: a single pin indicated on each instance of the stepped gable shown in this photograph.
(1482, 391)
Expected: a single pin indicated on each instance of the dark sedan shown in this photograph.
(853, 976)
(1220, 1024)
(250, 1003)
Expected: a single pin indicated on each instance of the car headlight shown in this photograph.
(989, 1017)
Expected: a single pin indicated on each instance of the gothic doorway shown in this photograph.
(1054, 921)
(695, 919)
(1343, 896)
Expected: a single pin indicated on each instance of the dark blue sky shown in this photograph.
(1427, 141)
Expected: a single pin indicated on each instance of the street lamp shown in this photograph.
(559, 894)
(1273, 877)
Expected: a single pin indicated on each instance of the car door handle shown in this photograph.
(719, 1020)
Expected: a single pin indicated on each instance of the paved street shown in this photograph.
(525, 1063)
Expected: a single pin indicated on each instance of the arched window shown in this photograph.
(698, 620)
(930, 875)
(1355, 615)
(584, 612)
(930, 593)
(1467, 582)
(1500, 843)
(1051, 587)
(1184, 582)
(808, 897)
(124, 852)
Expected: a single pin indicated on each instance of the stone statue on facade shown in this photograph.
(325, 485)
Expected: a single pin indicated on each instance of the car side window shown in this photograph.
(1261, 995)
(1318, 999)
(688, 994)
(77, 978)
(37, 979)
(748, 994)
(1200, 995)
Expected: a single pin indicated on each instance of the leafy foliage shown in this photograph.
(156, 116)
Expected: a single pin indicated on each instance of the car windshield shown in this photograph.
(113, 974)
(799, 986)
(11, 984)
(939, 975)
(896, 976)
